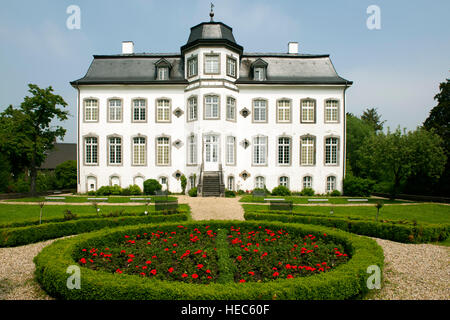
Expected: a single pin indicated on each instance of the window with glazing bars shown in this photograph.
(307, 146)
(139, 151)
(139, 110)
(115, 150)
(284, 150)
(91, 145)
(331, 150)
(115, 110)
(259, 110)
(163, 110)
(259, 150)
(91, 110)
(162, 151)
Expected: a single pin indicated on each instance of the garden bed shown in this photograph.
(211, 260)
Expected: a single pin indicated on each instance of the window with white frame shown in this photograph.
(115, 110)
(284, 111)
(192, 109)
(260, 182)
(231, 67)
(308, 108)
(163, 73)
(284, 150)
(211, 107)
(163, 110)
(307, 182)
(231, 147)
(331, 183)
(139, 110)
(192, 150)
(91, 150)
(91, 110)
(331, 110)
(192, 66)
(162, 151)
(260, 110)
(230, 183)
(284, 181)
(259, 73)
(331, 151)
(212, 64)
(139, 151)
(260, 150)
(115, 150)
(231, 108)
(192, 181)
(163, 181)
(307, 151)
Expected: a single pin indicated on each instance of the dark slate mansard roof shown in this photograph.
(282, 68)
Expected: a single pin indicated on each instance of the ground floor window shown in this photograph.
(307, 182)
(331, 183)
(284, 181)
(260, 182)
(230, 183)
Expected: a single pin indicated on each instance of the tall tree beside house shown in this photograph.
(371, 117)
(31, 129)
(439, 121)
(357, 131)
(396, 156)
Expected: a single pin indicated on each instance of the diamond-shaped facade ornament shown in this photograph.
(245, 112)
(177, 174)
(177, 143)
(245, 143)
(178, 112)
(244, 175)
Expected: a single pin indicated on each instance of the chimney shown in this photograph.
(293, 47)
(127, 47)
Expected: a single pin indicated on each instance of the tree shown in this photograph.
(395, 156)
(371, 117)
(438, 121)
(5, 173)
(66, 174)
(357, 131)
(30, 131)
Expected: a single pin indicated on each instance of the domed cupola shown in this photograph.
(211, 34)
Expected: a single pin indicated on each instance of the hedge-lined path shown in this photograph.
(215, 208)
(414, 272)
(17, 273)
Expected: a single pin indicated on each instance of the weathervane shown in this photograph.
(211, 14)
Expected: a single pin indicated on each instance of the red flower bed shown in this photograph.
(190, 255)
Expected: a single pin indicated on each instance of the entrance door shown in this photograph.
(211, 152)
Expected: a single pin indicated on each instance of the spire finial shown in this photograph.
(211, 14)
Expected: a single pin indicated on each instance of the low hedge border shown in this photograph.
(346, 281)
(34, 222)
(420, 233)
(12, 237)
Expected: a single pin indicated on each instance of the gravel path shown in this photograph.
(214, 208)
(414, 272)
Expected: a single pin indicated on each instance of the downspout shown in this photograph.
(345, 138)
(78, 141)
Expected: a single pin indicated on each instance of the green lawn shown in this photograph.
(81, 199)
(16, 213)
(304, 200)
(426, 212)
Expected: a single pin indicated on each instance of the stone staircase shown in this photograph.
(211, 186)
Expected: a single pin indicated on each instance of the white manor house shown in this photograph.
(225, 118)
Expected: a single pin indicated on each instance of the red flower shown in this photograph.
(289, 276)
(242, 280)
(276, 274)
(118, 271)
(184, 275)
(208, 271)
(170, 270)
(130, 260)
(153, 272)
(83, 260)
(148, 262)
(251, 273)
(195, 276)
(239, 258)
(200, 266)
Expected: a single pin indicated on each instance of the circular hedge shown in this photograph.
(346, 281)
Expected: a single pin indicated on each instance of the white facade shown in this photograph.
(212, 145)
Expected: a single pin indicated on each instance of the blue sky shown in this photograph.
(396, 69)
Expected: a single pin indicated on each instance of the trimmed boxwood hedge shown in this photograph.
(406, 233)
(12, 237)
(344, 282)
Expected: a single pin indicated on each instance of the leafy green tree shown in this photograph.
(66, 174)
(5, 173)
(371, 117)
(357, 131)
(31, 132)
(395, 156)
(183, 183)
(439, 121)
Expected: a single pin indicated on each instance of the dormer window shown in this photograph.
(259, 68)
(231, 67)
(192, 67)
(259, 74)
(212, 64)
(162, 69)
(163, 73)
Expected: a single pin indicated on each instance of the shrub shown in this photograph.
(307, 192)
(335, 193)
(135, 190)
(230, 194)
(104, 191)
(66, 175)
(357, 187)
(151, 186)
(281, 191)
(193, 192)
(345, 282)
(116, 190)
(68, 215)
(183, 183)
(240, 192)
